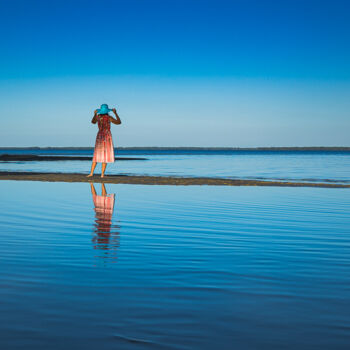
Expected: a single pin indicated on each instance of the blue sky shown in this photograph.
(181, 73)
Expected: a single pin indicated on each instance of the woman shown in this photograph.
(104, 150)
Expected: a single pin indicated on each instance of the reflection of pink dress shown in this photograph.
(106, 239)
(104, 150)
(104, 206)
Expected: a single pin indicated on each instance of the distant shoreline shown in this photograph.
(314, 148)
(35, 158)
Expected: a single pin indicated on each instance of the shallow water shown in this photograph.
(288, 165)
(174, 267)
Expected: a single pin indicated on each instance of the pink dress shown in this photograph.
(104, 150)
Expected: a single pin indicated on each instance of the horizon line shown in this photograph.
(188, 148)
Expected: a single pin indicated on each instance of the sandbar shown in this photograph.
(157, 180)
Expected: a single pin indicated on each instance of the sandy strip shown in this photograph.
(154, 180)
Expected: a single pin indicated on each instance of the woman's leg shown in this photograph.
(103, 169)
(93, 191)
(104, 192)
(93, 166)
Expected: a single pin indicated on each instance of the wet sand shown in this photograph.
(155, 180)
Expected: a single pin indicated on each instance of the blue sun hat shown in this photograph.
(104, 109)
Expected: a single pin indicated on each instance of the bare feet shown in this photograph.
(102, 175)
(89, 175)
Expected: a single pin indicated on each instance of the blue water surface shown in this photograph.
(305, 166)
(174, 267)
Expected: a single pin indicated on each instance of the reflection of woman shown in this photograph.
(104, 150)
(104, 205)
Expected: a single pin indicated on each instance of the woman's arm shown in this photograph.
(115, 120)
(94, 119)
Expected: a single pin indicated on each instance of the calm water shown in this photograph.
(300, 166)
(174, 267)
